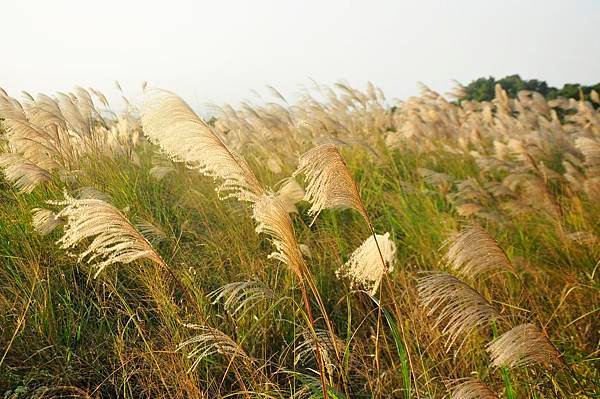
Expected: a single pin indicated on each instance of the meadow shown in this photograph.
(342, 245)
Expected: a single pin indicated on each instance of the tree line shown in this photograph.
(482, 89)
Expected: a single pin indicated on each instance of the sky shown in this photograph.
(220, 51)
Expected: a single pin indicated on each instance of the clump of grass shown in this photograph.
(187, 300)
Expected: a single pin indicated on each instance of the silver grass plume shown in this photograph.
(113, 238)
(434, 178)
(591, 151)
(22, 173)
(473, 252)
(524, 345)
(329, 182)
(272, 218)
(472, 388)
(457, 307)
(210, 341)
(151, 232)
(241, 295)
(161, 168)
(321, 341)
(45, 221)
(365, 267)
(290, 194)
(93, 193)
(169, 122)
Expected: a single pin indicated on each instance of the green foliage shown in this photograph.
(482, 89)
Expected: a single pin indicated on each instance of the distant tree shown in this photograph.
(482, 89)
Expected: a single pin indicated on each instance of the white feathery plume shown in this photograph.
(290, 194)
(435, 178)
(320, 340)
(240, 295)
(472, 388)
(169, 122)
(457, 307)
(159, 172)
(473, 252)
(274, 165)
(22, 173)
(113, 238)
(44, 221)
(93, 193)
(272, 218)
(209, 342)
(365, 267)
(524, 345)
(150, 231)
(329, 182)
(591, 151)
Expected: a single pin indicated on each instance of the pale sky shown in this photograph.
(218, 51)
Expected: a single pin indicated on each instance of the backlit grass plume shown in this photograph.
(325, 344)
(113, 238)
(22, 173)
(524, 345)
(590, 149)
(290, 194)
(272, 218)
(329, 182)
(456, 306)
(240, 296)
(473, 252)
(365, 267)
(472, 388)
(169, 122)
(44, 221)
(210, 341)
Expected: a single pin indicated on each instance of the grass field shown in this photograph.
(135, 248)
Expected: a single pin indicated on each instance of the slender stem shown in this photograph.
(330, 329)
(317, 349)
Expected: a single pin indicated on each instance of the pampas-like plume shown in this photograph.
(114, 239)
(472, 388)
(211, 341)
(241, 295)
(365, 267)
(93, 193)
(330, 184)
(322, 342)
(290, 194)
(271, 216)
(591, 150)
(455, 304)
(25, 175)
(473, 252)
(524, 345)
(169, 122)
(151, 232)
(44, 221)
(272, 219)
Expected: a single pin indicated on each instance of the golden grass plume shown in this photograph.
(523, 345)
(113, 238)
(169, 122)
(457, 307)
